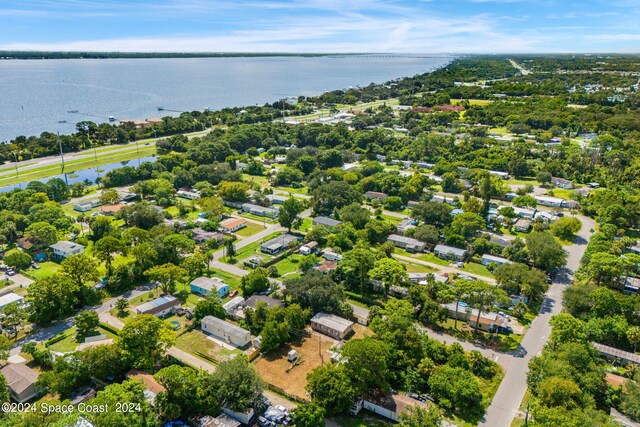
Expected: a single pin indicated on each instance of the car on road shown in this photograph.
(10, 272)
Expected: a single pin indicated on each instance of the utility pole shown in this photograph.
(61, 153)
(16, 162)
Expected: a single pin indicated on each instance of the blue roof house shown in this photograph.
(207, 286)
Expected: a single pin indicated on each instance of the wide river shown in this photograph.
(53, 95)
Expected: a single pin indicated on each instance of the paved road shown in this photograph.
(43, 334)
(507, 400)
(108, 150)
(19, 281)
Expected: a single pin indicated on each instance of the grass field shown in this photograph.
(197, 343)
(289, 265)
(479, 269)
(69, 344)
(250, 229)
(418, 268)
(47, 269)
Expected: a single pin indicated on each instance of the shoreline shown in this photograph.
(451, 59)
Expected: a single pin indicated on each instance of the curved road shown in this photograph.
(513, 387)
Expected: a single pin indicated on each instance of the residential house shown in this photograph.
(449, 252)
(278, 244)
(188, 193)
(552, 202)
(546, 216)
(64, 249)
(159, 307)
(207, 286)
(222, 420)
(325, 221)
(616, 355)
(231, 306)
(9, 298)
(349, 166)
(524, 212)
(562, 183)
(151, 387)
(456, 212)
(407, 243)
(326, 266)
(361, 314)
(86, 206)
(232, 224)
(332, 325)
(375, 195)
(275, 199)
(201, 236)
(112, 209)
(330, 255)
(390, 406)
(226, 331)
(308, 248)
(503, 175)
(444, 199)
(27, 243)
(629, 285)
(405, 225)
(21, 381)
(423, 165)
(488, 259)
(260, 210)
(488, 322)
(522, 225)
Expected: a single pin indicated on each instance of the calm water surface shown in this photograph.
(38, 94)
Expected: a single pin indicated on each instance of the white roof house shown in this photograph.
(226, 331)
(9, 298)
(64, 249)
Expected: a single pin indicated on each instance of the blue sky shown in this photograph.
(419, 26)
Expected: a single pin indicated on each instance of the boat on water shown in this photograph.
(112, 119)
(62, 121)
(160, 108)
(73, 111)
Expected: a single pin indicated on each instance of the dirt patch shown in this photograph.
(311, 349)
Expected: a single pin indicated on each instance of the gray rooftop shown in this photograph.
(332, 321)
(326, 221)
(280, 241)
(208, 283)
(66, 246)
(230, 328)
(406, 240)
(450, 250)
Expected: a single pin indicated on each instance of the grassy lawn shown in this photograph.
(301, 190)
(289, 265)
(250, 229)
(479, 269)
(197, 343)
(562, 193)
(418, 268)
(47, 269)
(253, 248)
(306, 225)
(423, 257)
(69, 343)
(263, 219)
(392, 219)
